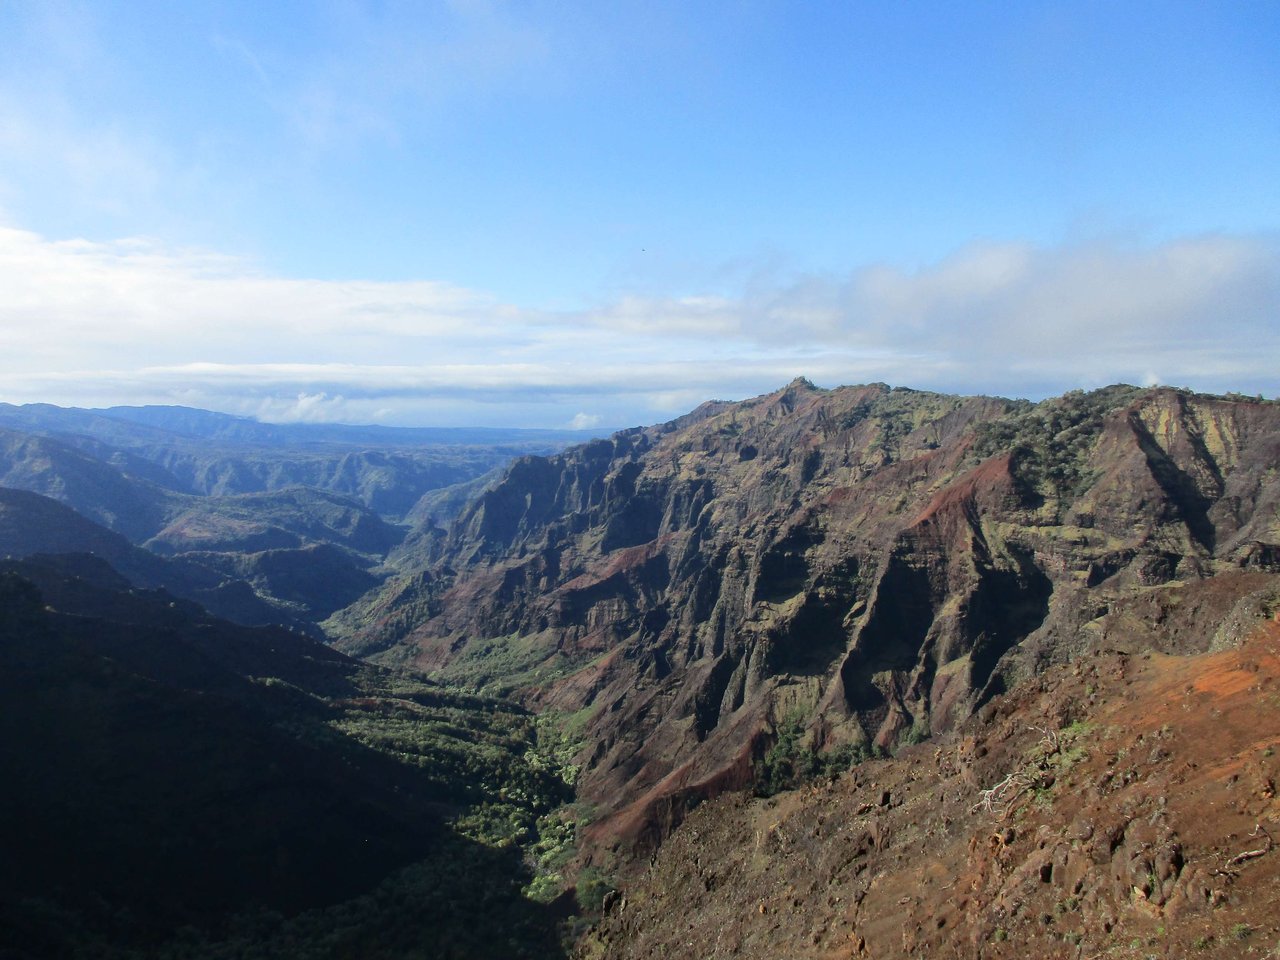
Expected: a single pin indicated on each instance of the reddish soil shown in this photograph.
(990, 481)
(1120, 806)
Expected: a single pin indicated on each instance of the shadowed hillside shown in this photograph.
(245, 790)
(202, 453)
(306, 514)
(32, 524)
(846, 569)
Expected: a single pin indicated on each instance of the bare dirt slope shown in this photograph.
(1123, 805)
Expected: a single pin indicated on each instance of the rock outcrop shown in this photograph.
(868, 563)
(1122, 805)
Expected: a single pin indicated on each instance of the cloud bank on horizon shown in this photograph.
(493, 213)
(90, 324)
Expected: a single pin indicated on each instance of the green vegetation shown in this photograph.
(1068, 748)
(513, 772)
(463, 903)
(479, 757)
(498, 666)
(897, 414)
(334, 809)
(791, 761)
(918, 733)
(397, 607)
(1051, 441)
(593, 887)
(551, 853)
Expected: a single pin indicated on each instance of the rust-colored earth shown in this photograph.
(1120, 806)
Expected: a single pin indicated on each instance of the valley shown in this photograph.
(856, 672)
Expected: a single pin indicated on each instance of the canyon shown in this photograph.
(859, 671)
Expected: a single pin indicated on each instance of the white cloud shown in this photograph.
(304, 408)
(584, 421)
(133, 321)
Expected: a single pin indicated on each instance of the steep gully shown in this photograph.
(868, 563)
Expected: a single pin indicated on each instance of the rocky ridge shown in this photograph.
(866, 564)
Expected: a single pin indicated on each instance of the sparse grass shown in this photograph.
(1072, 740)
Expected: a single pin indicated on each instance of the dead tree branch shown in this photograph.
(1247, 855)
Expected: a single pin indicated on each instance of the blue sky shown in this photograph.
(551, 213)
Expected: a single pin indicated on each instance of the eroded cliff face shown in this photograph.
(866, 563)
(1065, 819)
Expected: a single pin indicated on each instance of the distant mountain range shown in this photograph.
(73, 454)
(245, 505)
(140, 426)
